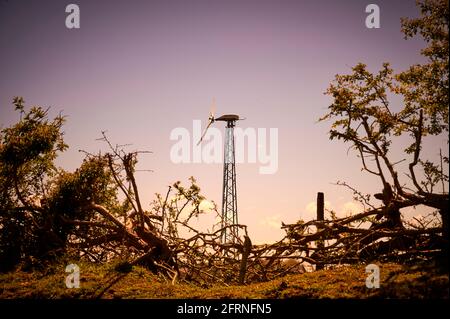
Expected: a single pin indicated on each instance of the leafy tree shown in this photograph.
(71, 196)
(363, 116)
(27, 153)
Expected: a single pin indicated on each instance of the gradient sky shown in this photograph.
(139, 69)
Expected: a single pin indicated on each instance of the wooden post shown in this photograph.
(246, 249)
(320, 217)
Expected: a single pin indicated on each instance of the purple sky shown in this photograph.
(139, 69)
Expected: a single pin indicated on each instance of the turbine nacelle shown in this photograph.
(229, 118)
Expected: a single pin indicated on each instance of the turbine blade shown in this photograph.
(204, 131)
(213, 108)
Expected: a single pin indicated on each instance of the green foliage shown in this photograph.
(182, 199)
(433, 175)
(27, 153)
(425, 86)
(33, 138)
(361, 97)
(73, 192)
(38, 202)
(363, 116)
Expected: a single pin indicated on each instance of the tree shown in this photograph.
(27, 152)
(363, 116)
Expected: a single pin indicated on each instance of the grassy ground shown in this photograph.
(344, 282)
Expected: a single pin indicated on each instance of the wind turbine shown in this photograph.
(229, 194)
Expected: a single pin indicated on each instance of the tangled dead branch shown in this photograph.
(100, 209)
(166, 240)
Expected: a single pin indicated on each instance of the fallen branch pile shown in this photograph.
(164, 239)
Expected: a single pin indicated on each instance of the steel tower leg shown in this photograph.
(229, 197)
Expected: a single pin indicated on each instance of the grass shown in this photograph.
(113, 281)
